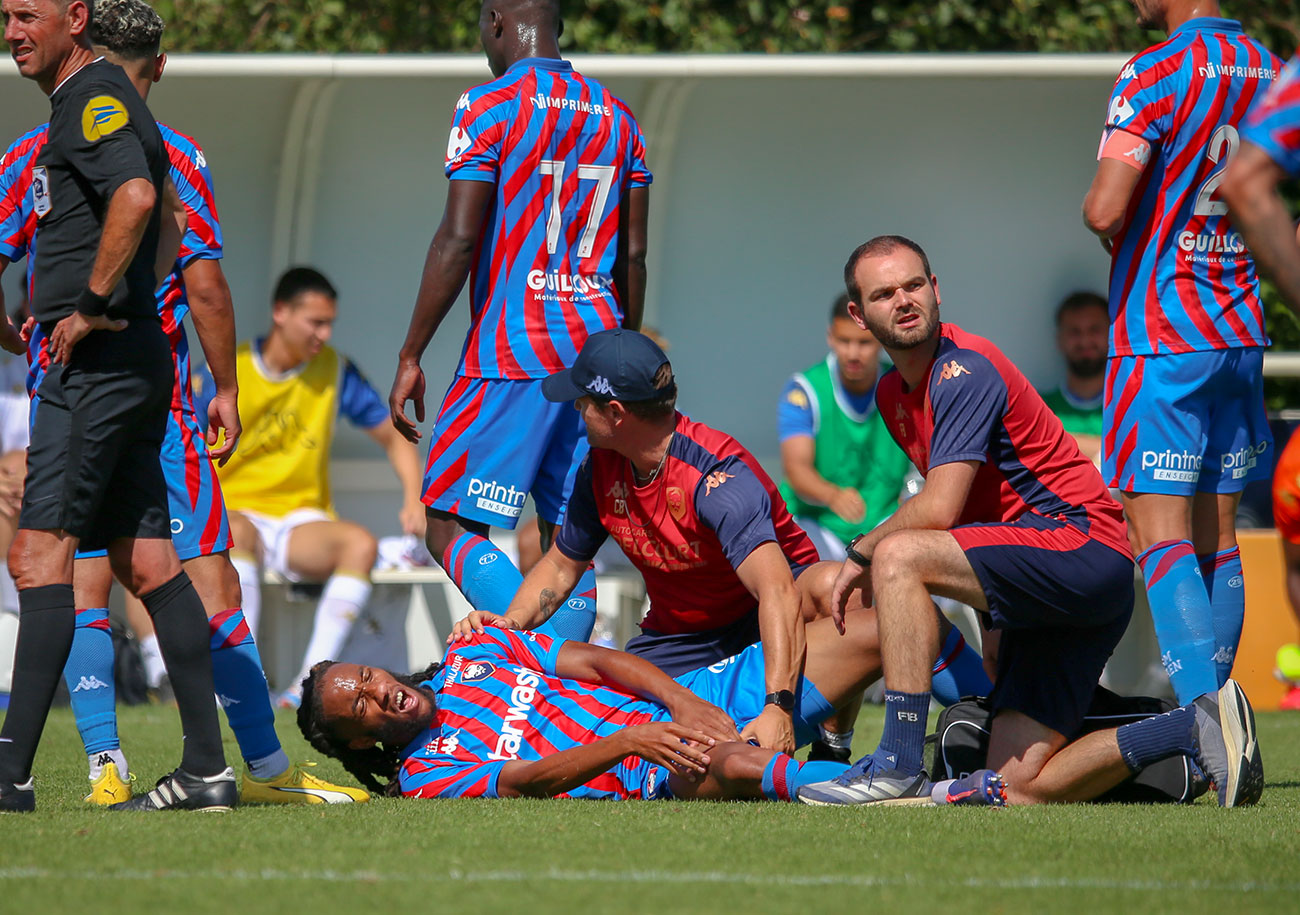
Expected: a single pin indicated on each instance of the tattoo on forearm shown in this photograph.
(546, 602)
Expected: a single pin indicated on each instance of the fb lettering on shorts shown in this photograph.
(1178, 466)
(493, 497)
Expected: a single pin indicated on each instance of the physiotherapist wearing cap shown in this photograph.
(697, 516)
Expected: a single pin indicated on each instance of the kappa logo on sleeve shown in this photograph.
(102, 116)
(952, 369)
(716, 479)
(798, 398)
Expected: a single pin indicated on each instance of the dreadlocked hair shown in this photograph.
(367, 765)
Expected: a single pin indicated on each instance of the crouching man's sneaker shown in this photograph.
(982, 788)
(1226, 748)
(298, 786)
(865, 784)
(182, 791)
(17, 798)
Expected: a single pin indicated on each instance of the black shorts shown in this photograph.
(92, 466)
(679, 653)
(1062, 601)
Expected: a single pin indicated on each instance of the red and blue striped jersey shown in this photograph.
(498, 698)
(688, 529)
(188, 169)
(563, 153)
(1274, 126)
(1181, 279)
(975, 405)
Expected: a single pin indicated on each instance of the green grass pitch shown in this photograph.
(578, 856)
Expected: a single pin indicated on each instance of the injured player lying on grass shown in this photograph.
(519, 714)
(514, 713)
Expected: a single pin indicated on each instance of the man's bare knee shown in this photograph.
(244, 536)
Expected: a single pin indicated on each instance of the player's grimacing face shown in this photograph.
(362, 702)
(900, 304)
(856, 349)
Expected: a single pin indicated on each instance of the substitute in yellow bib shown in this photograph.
(293, 388)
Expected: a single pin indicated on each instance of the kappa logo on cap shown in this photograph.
(600, 385)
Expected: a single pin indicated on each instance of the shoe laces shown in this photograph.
(864, 766)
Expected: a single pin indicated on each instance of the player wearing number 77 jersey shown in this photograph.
(1184, 428)
(547, 215)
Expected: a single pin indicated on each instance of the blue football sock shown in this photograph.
(576, 617)
(242, 691)
(483, 573)
(902, 742)
(958, 671)
(89, 675)
(1158, 737)
(1226, 585)
(784, 776)
(1184, 620)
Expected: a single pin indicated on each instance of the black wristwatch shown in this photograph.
(782, 699)
(855, 555)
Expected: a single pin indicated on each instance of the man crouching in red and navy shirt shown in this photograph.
(724, 563)
(1015, 522)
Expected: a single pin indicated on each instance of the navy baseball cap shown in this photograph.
(614, 364)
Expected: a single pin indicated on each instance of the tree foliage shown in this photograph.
(641, 27)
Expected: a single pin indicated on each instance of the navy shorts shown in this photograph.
(1062, 601)
(676, 654)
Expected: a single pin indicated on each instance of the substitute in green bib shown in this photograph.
(843, 471)
(1082, 323)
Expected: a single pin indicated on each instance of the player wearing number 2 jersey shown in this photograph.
(1270, 154)
(1184, 428)
(546, 213)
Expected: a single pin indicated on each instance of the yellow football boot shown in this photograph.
(110, 787)
(298, 786)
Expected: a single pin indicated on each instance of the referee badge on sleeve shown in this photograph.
(102, 116)
(41, 201)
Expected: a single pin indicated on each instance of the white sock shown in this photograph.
(8, 592)
(344, 598)
(842, 740)
(154, 668)
(250, 584)
(97, 762)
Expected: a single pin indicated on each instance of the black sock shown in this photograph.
(46, 621)
(182, 630)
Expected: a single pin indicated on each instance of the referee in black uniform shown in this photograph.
(108, 227)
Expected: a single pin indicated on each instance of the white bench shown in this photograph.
(407, 620)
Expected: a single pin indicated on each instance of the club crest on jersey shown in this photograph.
(41, 200)
(102, 116)
(477, 670)
(676, 502)
(716, 479)
(952, 369)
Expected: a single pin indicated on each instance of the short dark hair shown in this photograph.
(130, 29)
(1077, 301)
(366, 765)
(840, 307)
(881, 244)
(297, 280)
